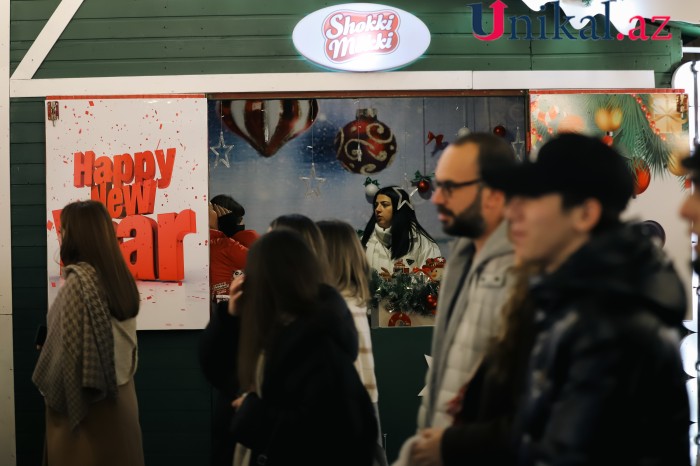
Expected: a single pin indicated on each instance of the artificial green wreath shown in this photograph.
(413, 292)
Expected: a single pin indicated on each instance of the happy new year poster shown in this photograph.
(142, 157)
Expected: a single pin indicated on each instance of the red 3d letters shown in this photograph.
(127, 186)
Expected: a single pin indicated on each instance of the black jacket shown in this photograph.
(313, 408)
(606, 385)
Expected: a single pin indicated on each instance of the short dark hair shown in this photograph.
(231, 204)
(229, 224)
(494, 151)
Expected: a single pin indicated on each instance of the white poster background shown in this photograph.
(111, 126)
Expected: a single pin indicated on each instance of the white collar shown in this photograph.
(383, 234)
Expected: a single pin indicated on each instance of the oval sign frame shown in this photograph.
(330, 37)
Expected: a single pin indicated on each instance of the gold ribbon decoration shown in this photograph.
(665, 114)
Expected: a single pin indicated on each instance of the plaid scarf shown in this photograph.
(76, 364)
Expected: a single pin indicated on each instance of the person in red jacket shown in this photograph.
(231, 223)
(227, 256)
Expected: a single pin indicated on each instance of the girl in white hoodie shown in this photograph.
(393, 233)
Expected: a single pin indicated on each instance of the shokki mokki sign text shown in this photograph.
(361, 37)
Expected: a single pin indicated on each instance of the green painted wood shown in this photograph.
(28, 299)
(400, 366)
(27, 132)
(176, 39)
(27, 111)
(29, 236)
(174, 67)
(24, 257)
(603, 61)
(28, 194)
(235, 47)
(28, 216)
(550, 46)
(27, 174)
(25, 276)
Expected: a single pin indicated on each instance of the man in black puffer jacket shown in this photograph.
(605, 381)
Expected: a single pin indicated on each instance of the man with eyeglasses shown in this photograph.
(475, 286)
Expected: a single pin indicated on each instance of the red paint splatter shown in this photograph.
(86, 112)
(149, 297)
(80, 131)
(179, 283)
(161, 126)
(49, 225)
(206, 242)
(92, 104)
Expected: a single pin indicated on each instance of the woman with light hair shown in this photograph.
(349, 274)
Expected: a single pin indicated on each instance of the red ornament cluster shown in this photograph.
(423, 186)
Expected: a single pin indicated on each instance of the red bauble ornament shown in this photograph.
(423, 186)
(431, 301)
(500, 130)
(365, 145)
(608, 140)
(399, 319)
(267, 125)
(642, 177)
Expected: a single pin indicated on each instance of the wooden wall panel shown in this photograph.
(165, 37)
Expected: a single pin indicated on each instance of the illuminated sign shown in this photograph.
(361, 37)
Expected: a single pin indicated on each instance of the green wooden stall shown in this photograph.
(172, 37)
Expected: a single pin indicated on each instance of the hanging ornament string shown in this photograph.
(406, 184)
(518, 144)
(357, 138)
(221, 146)
(313, 183)
(425, 164)
(422, 181)
(464, 130)
(694, 70)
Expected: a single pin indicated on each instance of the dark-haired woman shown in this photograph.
(86, 366)
(304, 401)
(393, 233)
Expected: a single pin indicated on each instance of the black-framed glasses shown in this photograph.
(448, 186)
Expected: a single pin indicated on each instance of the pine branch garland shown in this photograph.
(404, 292)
